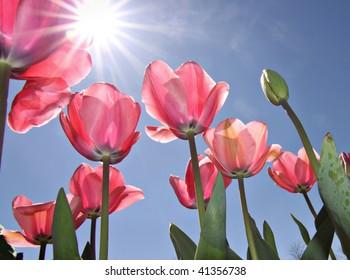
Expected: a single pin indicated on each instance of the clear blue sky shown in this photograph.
(307, 42)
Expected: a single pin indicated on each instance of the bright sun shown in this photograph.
(98, 19)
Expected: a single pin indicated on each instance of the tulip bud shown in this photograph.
(274, 86)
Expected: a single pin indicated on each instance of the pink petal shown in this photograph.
(39, 102)
(233, 145)
(38, 31)
(155, 91)
(160, 134)
(182, 192)
(123, 197)
(17, 239)
(197, 86)
(214, 103)
(68, 63)
(282, 180)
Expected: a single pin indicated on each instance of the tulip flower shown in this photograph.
(35, 220)
(86, 183)
(184, 100)
(238, 149)
(34, 45)
(293, 172)
(185, 189)
(101, 122)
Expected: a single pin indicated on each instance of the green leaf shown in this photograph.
(334, 188)
(87, 255)
(65, 245)
(212, 242)
(269, 236)
(231, 255)
(264, 249)
(184, 246)
(320, 245)
(303, 231)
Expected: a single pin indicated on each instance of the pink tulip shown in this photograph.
(34, 43)
(86, 183)
(185, 189)
(101, 122)
(293, 172)
(35, 219)
(238, 149)
(31, 30)
(186, 99)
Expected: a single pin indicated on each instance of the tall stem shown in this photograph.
(42, 250)
(93, 238)
(197, 177)
(303, 136)
(246, 219)
(309, 204)
(5, 70)
(104, 210)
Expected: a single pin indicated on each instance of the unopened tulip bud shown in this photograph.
(274, 86)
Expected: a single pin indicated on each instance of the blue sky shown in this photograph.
(307, 42)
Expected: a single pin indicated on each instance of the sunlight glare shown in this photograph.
(98, 19)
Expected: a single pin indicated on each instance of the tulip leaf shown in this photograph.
(264, 250)
(184, 246)
(212, 242)
(65, 244)
(334, 188)
(231, 255)
(320, 245)
(303, 231)
(269, 236)
(87, 254)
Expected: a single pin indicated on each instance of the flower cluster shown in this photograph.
(101, 124)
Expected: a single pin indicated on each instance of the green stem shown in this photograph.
(313, 212)
(93, 238)
(309, 204)
(303, 136)
(105, 209)
(246, 218)
(197, 177)
(42, 250)
(5, 71)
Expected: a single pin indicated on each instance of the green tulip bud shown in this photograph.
(274, 86)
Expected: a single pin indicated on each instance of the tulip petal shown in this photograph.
(160, 134)
(69, 63)
(182, 192)
(17, 239)
(123, 197)
(214, 103)
(38, 31)
(37, 103)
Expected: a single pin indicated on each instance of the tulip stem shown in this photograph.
(303, 136)
(5, 71)
(93, 238)
(313, 212)
(246, 219)
(309, 204)
(42, 250)
(197, 177)
(105, 209)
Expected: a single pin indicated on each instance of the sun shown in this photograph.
(98, 20)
